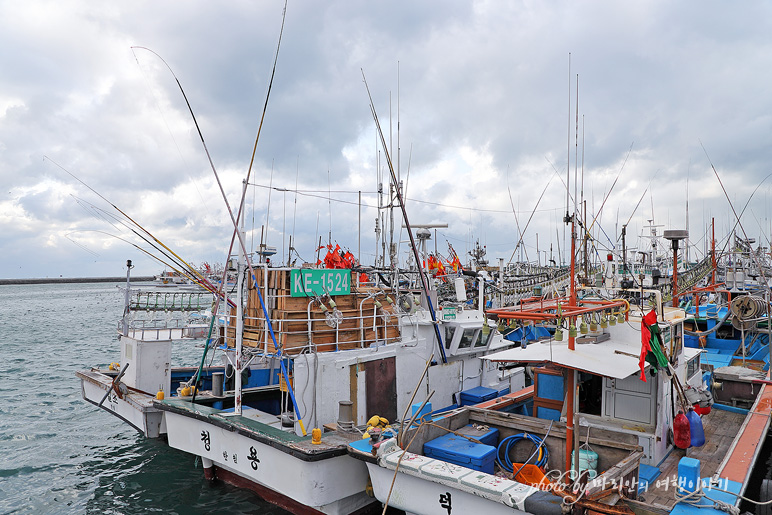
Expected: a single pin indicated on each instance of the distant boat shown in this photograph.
(170, 278)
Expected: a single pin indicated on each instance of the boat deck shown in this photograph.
(721, 428)
(252, 425)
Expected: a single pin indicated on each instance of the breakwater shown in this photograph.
(73, 280)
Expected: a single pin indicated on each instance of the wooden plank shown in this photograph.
(614, 474)
(508, 399)
(605, 437)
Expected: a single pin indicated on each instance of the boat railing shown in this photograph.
(170, 301)
(317, 331)
(518, 288)
(361, 316)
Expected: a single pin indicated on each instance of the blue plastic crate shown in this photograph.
(487, 435)
(460, 451)
(477, 395)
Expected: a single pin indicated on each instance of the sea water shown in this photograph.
(60, 454)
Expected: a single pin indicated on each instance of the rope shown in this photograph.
(693, 499)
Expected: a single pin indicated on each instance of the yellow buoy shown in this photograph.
(316, 436)
(160, 395)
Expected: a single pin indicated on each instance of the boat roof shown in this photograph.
(616, 358)
(596, 358)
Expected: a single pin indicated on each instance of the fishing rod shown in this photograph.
(209, 287)
(125, 215)
(237, 232)
(180, 267)
(421, 271)
(201, 279)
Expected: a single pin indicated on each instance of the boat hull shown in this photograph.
(134, 408)
(302, 484)
(416, 495)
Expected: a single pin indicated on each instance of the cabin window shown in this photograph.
(693, 366)
(449, 332)
(485, 339)
(468, 338)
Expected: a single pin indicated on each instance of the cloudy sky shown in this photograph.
(480, 90)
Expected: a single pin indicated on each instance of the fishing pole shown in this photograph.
(104, 215)
(234, 219)
(421, 271)
(295, 209)
(124, 214)
(127, 217)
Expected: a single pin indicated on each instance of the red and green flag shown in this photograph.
(651, 345)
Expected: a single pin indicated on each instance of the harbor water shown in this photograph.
(60, 454)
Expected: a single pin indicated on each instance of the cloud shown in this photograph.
(472, 97)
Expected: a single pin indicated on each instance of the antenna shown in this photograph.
(295, 212)
(268, 208)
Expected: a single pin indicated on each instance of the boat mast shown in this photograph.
(713, 250)
(570, 219)
(239, 320)
(421, 271)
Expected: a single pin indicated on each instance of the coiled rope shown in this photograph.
(503, 450)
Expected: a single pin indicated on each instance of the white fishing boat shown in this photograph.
(351, 352)
(344, 344)
(610, 424)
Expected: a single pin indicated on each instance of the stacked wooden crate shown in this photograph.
(290, 318)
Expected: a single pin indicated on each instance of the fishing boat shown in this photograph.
(591, 399)
(330, 351)
(170, 278)
(624, 383)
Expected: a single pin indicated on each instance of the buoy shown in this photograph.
(695, 429)
(316, 436)
(681, 433)
(701, 411)
(160, 395)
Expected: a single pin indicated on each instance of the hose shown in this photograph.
(507, 443)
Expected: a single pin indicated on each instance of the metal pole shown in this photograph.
(359, 234)
(127, 298)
